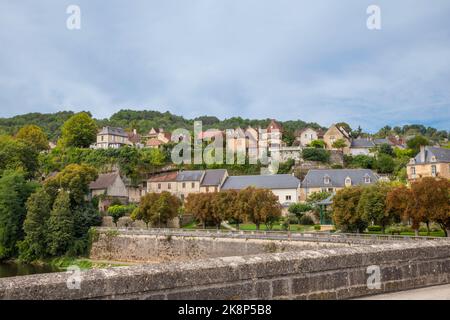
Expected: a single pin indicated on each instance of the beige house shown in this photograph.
(305, 136)
(183, 183)
(333, 180)
(429, 162)
(107, 187)
(110, 137)
(333, 134)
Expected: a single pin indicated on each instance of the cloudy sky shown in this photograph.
(284, 59)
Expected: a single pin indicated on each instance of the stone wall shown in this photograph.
(337, 273)
(163, 248)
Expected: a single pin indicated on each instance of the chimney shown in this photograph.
(422, 154)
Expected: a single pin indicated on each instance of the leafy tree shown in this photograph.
(346, 215)
(79, 131)
(372, 205)
(317, 196)
(85, 216)
(299, 209)
(360, 161)
(34, 246)
(320, 144)
(34, 136)
(167, 207)
(386, 149)
(119, 211)
(263, 204)
(60, 225)
(339, 144)
(17, 155)
(14, 191)
(385, 164)
(146, 210)
(416, 142)
(313, 154)
(200, 206)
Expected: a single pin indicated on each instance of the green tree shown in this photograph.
(34, 246)
(17, 155)
(313, 154)
(346, 215)
(416, 142)
(385, 163)
(167, 207)
(299, 209)
(60, 225)
(339, 144)
(119, 211)
(386, 149)
(14, 192)
(79, 131)
(34, 136)
(320, 144)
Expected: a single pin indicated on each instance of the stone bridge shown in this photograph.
(241, 265)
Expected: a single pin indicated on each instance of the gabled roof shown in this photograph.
(103, 181)
(277, 181)
(440, 155)
(316, 178)
(213, 177)
(362, 143)
(382, 141)
(113, 131)
(153, 142)
(164, 177)
(190, 175)
(134, 137)
(274, 125)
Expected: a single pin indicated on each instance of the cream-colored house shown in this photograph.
(305, 136)
(333, 180)
(333, 134)
(429, 162)
(110, 137)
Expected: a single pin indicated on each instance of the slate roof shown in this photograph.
(190, 175)
(213, 177)
(113, 131)
(103, 181)
(382, 141)
(362, 143)
(315, 178)
(441, 155)
(278, 181)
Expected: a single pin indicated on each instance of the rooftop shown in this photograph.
(316, 178)
(277, 181)
(103, 181)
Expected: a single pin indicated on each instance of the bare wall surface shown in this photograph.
(334, 273)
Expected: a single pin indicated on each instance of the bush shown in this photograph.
(306, 220)
(320, 155)
(374, 228)
(317, 227)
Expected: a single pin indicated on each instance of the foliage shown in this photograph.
(14, 191)
(306, 220)
(18, 155)
(157, 208)
(339, 144)
(118, 211)
(60, 225)
(386, 149)
(34, 136)
(313, 154)
(385, 163)
(320, 144)
(416, 142)
(317, 196)
(79, 131)
(286, 167)
(299, 209)
(360, 161)
(346, 215)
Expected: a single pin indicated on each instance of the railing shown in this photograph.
(273, 235)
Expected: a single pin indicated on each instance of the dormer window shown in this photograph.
(367, 179)
(348, 182)
(326, 179)
(412, 161)
(433, 159)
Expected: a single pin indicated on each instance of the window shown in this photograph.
(288, 198)
(413, 170)
(348, 182)
(207, 189)
(326, 180)
(103, 138)
(183, 185)
(159, 185)
(433, 170)
(193, 185)
(169, 186)
(367, 179)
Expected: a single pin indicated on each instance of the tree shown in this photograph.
(299, 209)
(345, 210)
(385, 164)
(34, 246)
(339, 144)
(75, 179)
(146, 209)
(34, 136)
(263, 204)
(319, 144)
(167, 207)
(60, 225)
(385, 148)
(360, 161)
(372, 205)
(200, 206)
(119, 211)
(17, 155)
(313, 154)
(14, 191)
(79, 131)
(318, 196)
(416, 142)
(432, 201)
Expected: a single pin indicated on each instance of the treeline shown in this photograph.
(425, 201)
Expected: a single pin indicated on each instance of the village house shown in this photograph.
(429, 162)
(305, 136)
(285, 186)
(183, 183)
(135, 138)
(157, 137)
(333, 180)
(362, 146)
(111, 137)
(107, 187)
(274, 134)
(335, 133)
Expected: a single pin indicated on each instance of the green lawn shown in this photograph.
(423, 234)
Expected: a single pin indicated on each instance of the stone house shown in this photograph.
(333, 180)
(111, 137)
(307, 135)
(335, 133)
(429, 162)
(107, 187)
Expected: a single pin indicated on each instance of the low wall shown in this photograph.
(159, 248)
(337, 273)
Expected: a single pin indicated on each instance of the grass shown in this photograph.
(252, 227)
(83, 263)
(422, 234)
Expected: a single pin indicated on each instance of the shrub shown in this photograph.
(374, 228)
(306, 220)
(317, 227)
(314, 154)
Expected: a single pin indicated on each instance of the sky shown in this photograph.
(287, 59)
